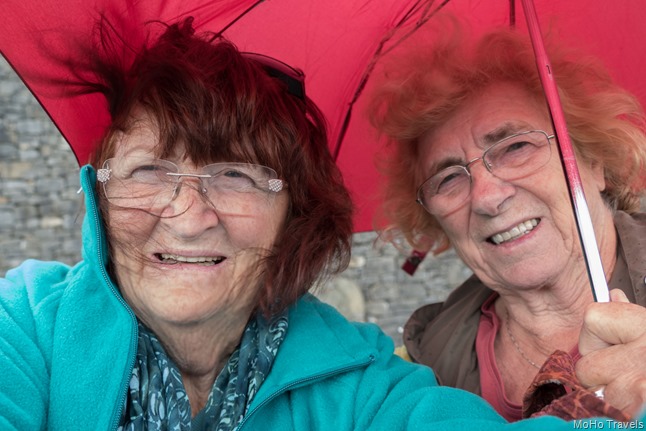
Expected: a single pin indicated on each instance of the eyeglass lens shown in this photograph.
(152, 184)
(509, 159)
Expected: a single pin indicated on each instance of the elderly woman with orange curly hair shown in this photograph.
(474, 165)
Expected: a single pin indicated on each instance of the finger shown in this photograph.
(620, 365)
(601, 367)
(627, 394)
(609, 323)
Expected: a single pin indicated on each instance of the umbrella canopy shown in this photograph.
(612, 31)
(333, 41)
(336, 43)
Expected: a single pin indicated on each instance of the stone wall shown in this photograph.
(39, 207)
(40, 218)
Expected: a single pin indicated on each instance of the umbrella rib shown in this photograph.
(512, 13)
(426, 15)
(239, 17)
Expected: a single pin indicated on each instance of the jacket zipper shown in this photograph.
(133, 340)
(364, 363)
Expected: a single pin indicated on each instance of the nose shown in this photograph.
(489, 194)
(190, 213)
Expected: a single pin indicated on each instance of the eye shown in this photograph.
(239, 177)
(517, 146)
(513, 153)
(148, 171)
(234, 174)
(448, 181)
(145, 169)
(234, 179)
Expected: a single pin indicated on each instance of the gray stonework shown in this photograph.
(39, 207)
(40, 218)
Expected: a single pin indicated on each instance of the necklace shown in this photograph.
(518, 349)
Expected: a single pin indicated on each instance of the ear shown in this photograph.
(597, 175)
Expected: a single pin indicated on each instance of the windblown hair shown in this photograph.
(223, 106)
(436, 74)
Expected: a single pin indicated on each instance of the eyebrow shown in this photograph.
(443, 164)
(503, 131)
(138, 151)
(499, 133)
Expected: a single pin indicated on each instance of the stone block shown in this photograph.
(51, 222)
(7, 219)
(346, 296)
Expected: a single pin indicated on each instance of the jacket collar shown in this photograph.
(95, 244)
(320, 343)
(631, 230)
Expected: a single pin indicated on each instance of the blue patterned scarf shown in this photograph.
(157, 399)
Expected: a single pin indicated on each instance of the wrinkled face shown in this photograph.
(532, 215)
(190, 261)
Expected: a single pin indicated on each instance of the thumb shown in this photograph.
(618, 295)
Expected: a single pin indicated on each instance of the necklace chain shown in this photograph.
(518, 349)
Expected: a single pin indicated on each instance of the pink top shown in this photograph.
(491, 384)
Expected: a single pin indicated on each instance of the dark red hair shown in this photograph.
(224, 106)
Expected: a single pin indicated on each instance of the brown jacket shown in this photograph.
(442, 335)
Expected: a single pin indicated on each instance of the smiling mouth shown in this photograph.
(173, 259)
(515, 232)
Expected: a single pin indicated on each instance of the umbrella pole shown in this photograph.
(581, 213)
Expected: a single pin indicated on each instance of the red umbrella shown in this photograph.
(336, 42)
(333, 41)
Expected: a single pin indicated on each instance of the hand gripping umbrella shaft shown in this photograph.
(581, 213)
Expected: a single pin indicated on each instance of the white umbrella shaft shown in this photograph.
(581, 213)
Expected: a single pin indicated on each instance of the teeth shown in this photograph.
(515, 232)
(203, 260)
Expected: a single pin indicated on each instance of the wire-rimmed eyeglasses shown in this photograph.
(509, 159)
(152, 184)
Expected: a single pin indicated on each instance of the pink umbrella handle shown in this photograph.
(581, 213)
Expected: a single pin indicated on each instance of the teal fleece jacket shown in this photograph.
(68, 342)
